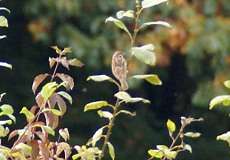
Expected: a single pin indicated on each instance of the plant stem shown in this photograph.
(176, 138)
(36, 117)
(136, 25)
(109, 131)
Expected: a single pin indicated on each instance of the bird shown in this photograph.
(119, 69)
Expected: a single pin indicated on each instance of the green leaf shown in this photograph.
(3, 21)
(64, 133)
(118, 23)
(105, 114)
(100, 78)
(24, 148)
(54, 111)
(162, 23)
(188, 148)
(111, 150)
(66, 96)
(126, 112)
(6, 109)
(4, 122)
(151, 3)
(3, 131)
(4, 9)
(220, 100)
(2, 157)
(128, 99)
(48, 90)
(145, 54)
(122, 14)
(171, 126)
(97, 136)
(151, 78)
(192, 134)
(4, 64)
(29, 115)
(227, 84)
(95, 105)
(155, 153)
(224, 137)
(49, 130)
(75, 62)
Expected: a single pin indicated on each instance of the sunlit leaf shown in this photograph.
(64, 133)
(151, 78)
(49, 130)
(192, 134)
(162, 23)
(54, 111)
(24, 148)
(105, 114)
(97, 135)
(3, 21)
(66, 96)
(171, 126)
(118, 23)
(100, 78)
(126, 112)
(151, 3)
(29, 115)
(95, 105)
(111, 150)
(48, 90)
(75, 62)
(4, 9)
(155, 153)
(188, 148)
(220, 100)
(57, 50)
(227, 83)
(145, 54)
(128, 99)
(6, 109)
(122, 14)
(4, 122)
(224, 137)
(4, 64)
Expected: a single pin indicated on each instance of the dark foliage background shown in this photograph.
(193, 62)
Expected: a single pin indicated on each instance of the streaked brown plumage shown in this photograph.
(119, 69)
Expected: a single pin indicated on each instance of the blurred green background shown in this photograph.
(193, 62)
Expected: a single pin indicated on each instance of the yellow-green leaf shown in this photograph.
(100, 78)
(151, 3)
(151, 78)
(227, 83)
(124, 96)
(95, 105)
(3, 21)
(192, 134)
(171, 126)
(145, 54)
(220, 100)
(29, 115)
(224, 137)
(155, 153)
(111, 150)
(66, 96)
(48, 90)
(6, 109)
(49, 130)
